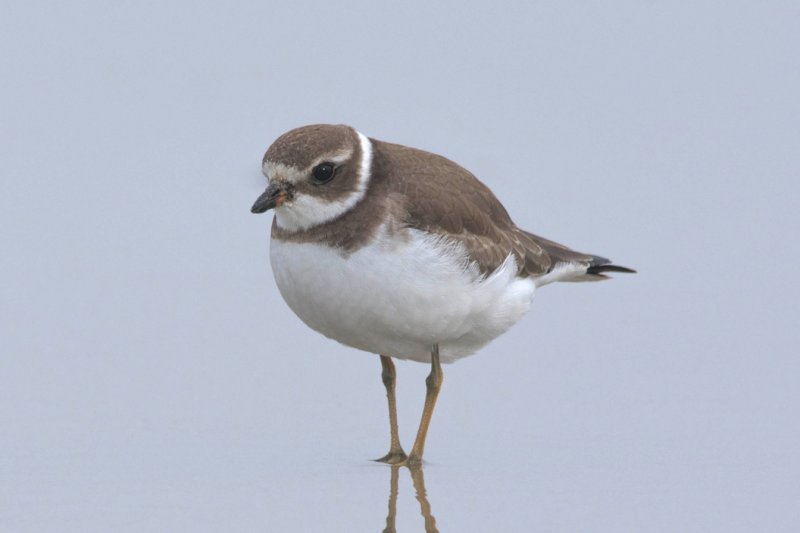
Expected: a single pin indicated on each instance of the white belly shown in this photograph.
(399, 296)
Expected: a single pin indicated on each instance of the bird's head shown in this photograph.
(316, 174)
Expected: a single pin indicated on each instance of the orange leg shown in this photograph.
(396, 454)
(434, 384)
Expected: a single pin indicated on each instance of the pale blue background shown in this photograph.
(151, 378)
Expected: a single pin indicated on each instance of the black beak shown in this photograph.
(274, 196)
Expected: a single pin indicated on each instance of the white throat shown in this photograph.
(307, 211)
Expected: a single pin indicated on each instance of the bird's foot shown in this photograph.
(394, 457)
(413, 461)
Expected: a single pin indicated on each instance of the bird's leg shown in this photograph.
(433, 383)
(396, 454)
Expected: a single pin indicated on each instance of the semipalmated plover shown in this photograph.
(401, 253)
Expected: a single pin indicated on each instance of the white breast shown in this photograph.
(400, 295)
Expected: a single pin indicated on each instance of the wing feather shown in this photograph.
(443, 197)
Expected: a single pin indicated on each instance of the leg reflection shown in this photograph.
(418, 479)
(391, 517)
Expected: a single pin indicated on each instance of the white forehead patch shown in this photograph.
(286, 172)
(305, 211)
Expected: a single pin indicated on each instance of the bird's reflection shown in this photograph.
(418, 479)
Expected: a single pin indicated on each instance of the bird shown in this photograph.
(401, 253)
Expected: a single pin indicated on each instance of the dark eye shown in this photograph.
(323, 172)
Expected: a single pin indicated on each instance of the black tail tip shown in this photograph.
(601, 264)
(599, 269)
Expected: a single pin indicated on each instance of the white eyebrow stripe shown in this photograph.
(337, 158)
(294, 174)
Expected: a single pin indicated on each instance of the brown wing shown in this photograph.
(442, 197)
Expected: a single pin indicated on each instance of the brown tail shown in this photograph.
(569, 265)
